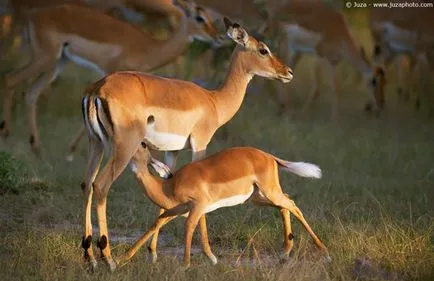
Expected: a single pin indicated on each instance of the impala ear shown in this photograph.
(162, 170)
(236, 32)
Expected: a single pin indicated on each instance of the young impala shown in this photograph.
(127, 108)
(228, 178)
(61, 33)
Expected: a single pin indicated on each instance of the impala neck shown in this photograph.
(156, 189)
(168, 50)
(231, 94)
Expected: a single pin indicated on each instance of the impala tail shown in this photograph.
(96, 117)
(302, 169)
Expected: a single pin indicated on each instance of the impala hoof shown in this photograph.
(154, 257)
(213, 260)
(327, 259)
(111, 264)
(91, 265)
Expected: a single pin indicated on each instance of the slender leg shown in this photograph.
(95, 157)
(315, 86)
(12, 79)
(32, 99)
(205, 241)
(336, 91)
(284, 202)
(283, 90)
(74, 143)
(119, 159)
(153, 245)
(288, 242)
(160, 222)
(170, 159)
(190, 225)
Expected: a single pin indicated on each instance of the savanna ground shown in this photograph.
(373, 207)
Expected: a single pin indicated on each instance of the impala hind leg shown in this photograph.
(288, 237)
(193, 218)
(74, 143)
(12, 80)
(119, 159)
(283, 201)
(32, 97)
(206, 247)
(95, 158)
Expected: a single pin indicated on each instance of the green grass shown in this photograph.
(373, 205)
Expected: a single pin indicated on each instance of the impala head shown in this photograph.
(143, 161)
(376, 82)
(200, 24)
(257, 57)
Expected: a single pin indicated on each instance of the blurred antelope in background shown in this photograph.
(401, 32)
(127, 108)
(313, 27)
(228, 178)
(61, 33)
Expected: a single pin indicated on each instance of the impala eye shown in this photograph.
(263, 52)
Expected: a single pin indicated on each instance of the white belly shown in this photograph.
(164, 141)
(229, 201)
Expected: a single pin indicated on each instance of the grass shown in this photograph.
(373, 208)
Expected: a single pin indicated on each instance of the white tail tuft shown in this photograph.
(302, 169)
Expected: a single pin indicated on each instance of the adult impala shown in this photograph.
(62, 33)
(398, 32)
(127, 108)
(314, 28)
(228, 178)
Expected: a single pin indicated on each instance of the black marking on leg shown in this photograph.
(86, 243)
(2, 124)
(149, 249)
(102, 242)
(290, 236)
(32, 139)
(83, 186)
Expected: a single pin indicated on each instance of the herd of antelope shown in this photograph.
(129, 112)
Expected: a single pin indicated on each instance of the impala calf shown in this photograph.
(228, 178)
(61, 33)
(127, 108)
